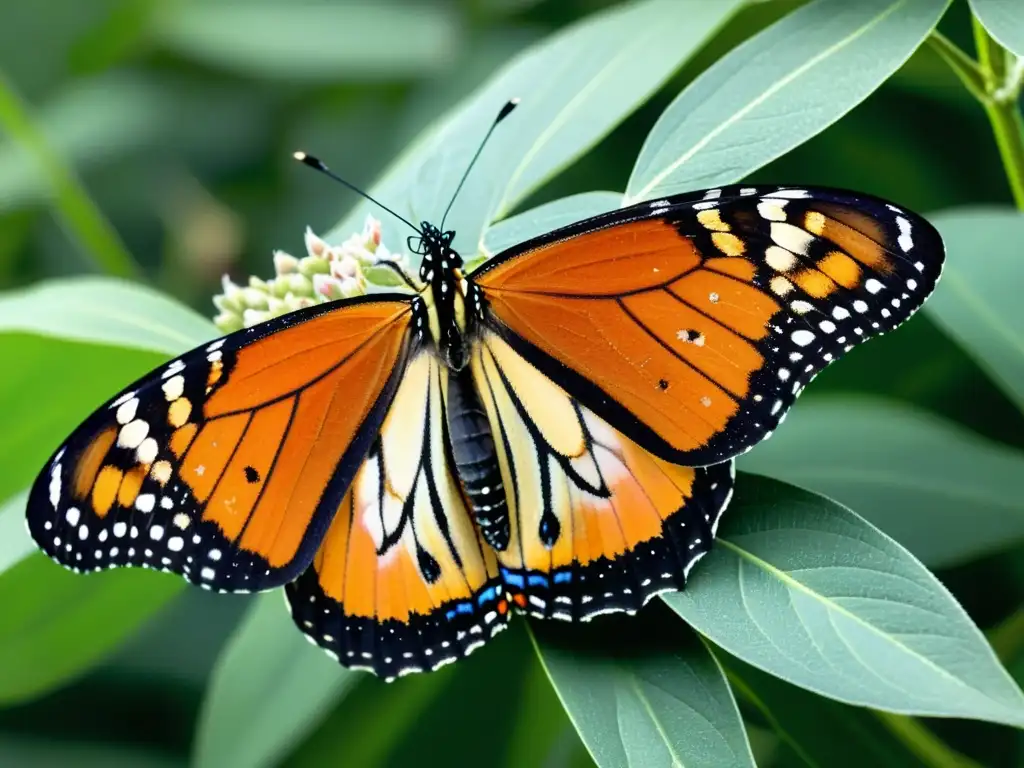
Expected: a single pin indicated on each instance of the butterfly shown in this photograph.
(552, 433)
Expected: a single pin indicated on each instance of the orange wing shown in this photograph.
(227, 464)
(691, 324)
(596, 523)
(402, 581)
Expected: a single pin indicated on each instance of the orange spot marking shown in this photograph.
(182, 439)
(161, 472)
(625, 257)
(711, 218)
(739, 268)
(291, 359)
(736, 305)
(841, 268)
(216, 370)
(327, 416)
(724, 356)
(209, 454)
(859, 235)
(728, 244)
(520, 600)
(232, 500)
(502, 607)
(179, 411)
(90, 460)
(104, 491)
(815, 283)
(130, 485)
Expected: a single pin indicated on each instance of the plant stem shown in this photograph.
(918, 739)
(1002, 86)
(923, 743)
(79, 215)
(963, 66)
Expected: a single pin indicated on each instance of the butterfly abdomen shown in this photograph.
(476, 460)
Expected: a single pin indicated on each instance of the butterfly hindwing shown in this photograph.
(596, 524)
(226, 464)
(403, 581)
(691, 324)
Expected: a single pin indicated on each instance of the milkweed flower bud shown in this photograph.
(325, 273)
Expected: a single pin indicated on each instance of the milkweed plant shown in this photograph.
(815, 633)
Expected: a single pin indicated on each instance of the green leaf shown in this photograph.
(320, 42)
(269, 689)
(576, 86)
(464, 722)
(544, 218)
(15, 543)
(28, 752)
(79, 215)
(643, 691)
(55, 624)
(371, 720)
(817, 732)
(801, 587)
(105, 311)
(86, 123)
(977, 302)
(777, 90)
(1004, 20)
(945, 494)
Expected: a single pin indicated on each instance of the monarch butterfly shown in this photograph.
(552, 433)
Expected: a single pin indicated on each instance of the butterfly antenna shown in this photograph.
(502, 114)
(318, 165)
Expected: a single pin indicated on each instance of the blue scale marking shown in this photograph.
(464, 607)
(515, 579)
(536, 580)
(563, 576)
(486, 595)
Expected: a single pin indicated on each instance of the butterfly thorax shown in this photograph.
(444, 293)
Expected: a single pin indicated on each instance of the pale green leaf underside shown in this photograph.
(269, 689)
(312, 41)
(1004, 20)
(545, 218)
(105, 311)
(644, 691)
(575, 87)
(978, 302)
(777, 90)
(808, 591)
(942, 492)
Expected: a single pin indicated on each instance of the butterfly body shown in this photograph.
(552, 433)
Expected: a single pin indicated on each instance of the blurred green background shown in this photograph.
(181, 117)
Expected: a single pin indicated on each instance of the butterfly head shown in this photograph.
(439, 259)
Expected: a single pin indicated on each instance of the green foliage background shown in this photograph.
(151, 141)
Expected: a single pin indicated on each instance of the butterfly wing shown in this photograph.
(691, 324)
(227, 464)
(402, 581)
(595, 524)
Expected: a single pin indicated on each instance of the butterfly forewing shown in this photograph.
(691, 324)
(226, 464)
